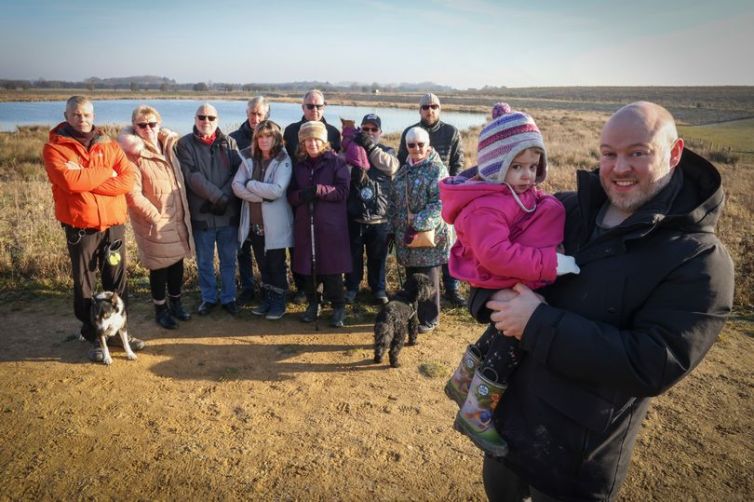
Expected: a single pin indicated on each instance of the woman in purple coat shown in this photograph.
(318, 194)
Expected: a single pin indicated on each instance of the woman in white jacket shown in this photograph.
(266, 217)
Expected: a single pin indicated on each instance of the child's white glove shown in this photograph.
(566, 265)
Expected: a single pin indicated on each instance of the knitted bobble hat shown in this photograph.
(312, 129)
(508, 134)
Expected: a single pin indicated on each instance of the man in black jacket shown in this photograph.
(446, 141)
(655, 288)
(313, 106)
(367, 210)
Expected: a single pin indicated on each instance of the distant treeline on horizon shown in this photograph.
(164, 84)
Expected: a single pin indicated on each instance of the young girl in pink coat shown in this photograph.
(508, 232)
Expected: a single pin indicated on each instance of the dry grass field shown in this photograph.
(228, 409)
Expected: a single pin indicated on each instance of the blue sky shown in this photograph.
(462, 43)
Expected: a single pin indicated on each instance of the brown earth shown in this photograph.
(227, 409)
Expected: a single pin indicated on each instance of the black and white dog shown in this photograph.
(109, 319)
(399, 317)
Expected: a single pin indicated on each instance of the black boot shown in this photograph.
(312, 312)
(177, 310)
(263, 307)
(163, 317)
(277, 306)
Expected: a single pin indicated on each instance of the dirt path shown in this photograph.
(228, 409)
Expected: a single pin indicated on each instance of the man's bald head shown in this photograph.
(639, 148)
(649, 117)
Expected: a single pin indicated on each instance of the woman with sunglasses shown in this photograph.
(266, 217)
(415, 207)
(159, 211)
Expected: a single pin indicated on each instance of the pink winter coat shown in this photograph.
(498, 243)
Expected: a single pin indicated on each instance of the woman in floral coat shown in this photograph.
(415, 190)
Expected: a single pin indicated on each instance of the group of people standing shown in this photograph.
(305, 195)
(632, 285)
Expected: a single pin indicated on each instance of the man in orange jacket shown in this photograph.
(90, 176)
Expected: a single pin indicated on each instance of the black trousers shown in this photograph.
(271, 264)
(171, 276)
(503, 485)
(88, 252)
(332, 287)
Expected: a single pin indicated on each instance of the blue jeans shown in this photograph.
(374, 238)
(227, 249)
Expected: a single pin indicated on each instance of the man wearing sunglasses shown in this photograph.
(313, 106)
(446, 140)
(209, 162)
(90, 177)
(367, 210)
(257, 110)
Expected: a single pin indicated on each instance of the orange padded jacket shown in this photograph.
(89, 186)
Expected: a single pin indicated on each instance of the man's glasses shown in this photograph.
(369, 129)
(427, 107)
(211, 118)
(415, 145)
(310, 106)
(144, 125)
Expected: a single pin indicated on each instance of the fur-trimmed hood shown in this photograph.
(135, 146)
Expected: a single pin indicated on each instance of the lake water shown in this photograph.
(177, 114)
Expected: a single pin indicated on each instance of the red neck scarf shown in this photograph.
(207, 140)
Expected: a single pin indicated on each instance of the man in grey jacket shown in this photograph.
(209, 161)
(446, 141)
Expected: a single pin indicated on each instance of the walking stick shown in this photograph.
(314, 262)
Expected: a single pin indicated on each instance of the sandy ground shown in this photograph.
(229, 409)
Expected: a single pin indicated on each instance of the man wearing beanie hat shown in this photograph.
(313, 106)
(655, 288)
(367, 210)
(446, 141)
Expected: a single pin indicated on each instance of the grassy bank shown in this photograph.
(32, 248)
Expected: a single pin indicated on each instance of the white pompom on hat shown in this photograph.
(508, 134)
(312, 129)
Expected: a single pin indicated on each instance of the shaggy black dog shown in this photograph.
(398, 317)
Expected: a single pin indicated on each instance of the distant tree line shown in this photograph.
(164, 84)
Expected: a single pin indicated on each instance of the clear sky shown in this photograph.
(462, 43)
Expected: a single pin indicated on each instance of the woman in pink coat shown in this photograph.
(507, 232)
